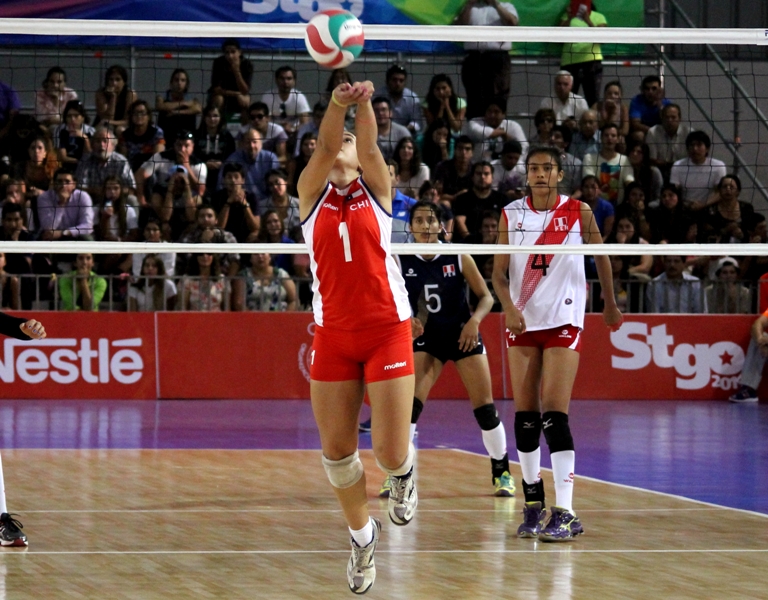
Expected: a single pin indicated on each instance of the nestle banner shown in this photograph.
(265, 355)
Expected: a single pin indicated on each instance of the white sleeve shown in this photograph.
(131, 218)
(202, 172)
(302, 104)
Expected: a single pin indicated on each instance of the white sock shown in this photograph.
(530, 462)
(563, 464)
(412, 431)
(363, 536)
(3, 508)
(495, 442)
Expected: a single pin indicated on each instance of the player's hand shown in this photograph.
(33, 329)
(515, 321)
(613, 317)
(417, 328)
(470, 336)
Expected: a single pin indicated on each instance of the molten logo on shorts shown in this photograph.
(396, 365)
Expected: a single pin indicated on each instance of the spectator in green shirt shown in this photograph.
(584, 60)
(82, 289)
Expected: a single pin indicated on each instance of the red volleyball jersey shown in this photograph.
(356, 281)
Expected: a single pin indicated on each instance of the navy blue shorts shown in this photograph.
(444, 345)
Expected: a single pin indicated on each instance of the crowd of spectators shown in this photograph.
(224, 169)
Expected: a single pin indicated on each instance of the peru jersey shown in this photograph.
(549, 289)
(356, 281)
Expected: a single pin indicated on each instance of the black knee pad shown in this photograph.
(557, 431)
(487, 417)
(527, 430)
(418, 406)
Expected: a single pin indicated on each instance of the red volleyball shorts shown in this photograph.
(566, 336)
(375, 353)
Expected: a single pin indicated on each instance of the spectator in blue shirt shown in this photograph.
(602, 209)
(401, 208)
(256, 162)
(645, 108)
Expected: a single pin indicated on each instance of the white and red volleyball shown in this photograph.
(334, 38)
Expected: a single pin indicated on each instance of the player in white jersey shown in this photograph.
(544, 298)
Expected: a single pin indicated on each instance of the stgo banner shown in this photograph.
(266, 355)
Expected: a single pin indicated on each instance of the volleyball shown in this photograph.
(334, 38)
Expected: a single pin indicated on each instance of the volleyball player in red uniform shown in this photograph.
(544, 298)
(21, 329)
(363, 333)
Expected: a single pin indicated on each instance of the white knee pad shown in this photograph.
(344, 473)
(405, 467)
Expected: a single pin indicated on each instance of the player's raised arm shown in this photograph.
(375, 170)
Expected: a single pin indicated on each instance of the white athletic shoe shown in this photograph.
(403, 499)
(361, 570)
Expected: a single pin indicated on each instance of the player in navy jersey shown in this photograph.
(363, 333)
(445, 330)
(544, 297)
(21, 329)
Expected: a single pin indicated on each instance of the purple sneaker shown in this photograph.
(744, 395)
(563, 526)
(533, 520)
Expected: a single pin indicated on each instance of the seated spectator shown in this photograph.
(646, 175)
(204, 289)
(337, 77)
(17, 263)
(72, 138)
(429, 193)
(757, 353)
(10, 287)
(633, 207)
(306, 146)
(140, 139)
(268, 288)
(207, 231)
(666, 141)
(406, 106)
(159, 168)
(174, 204)
(280, 200)
(152, 291)
(389, 132)
(231, 76)
(153, 235)
(93, 170)
(726, 295)
(273, 232)
(82, 289)
(587, 139)
(437, 144)
(509, 175)
(411, 171)
(274, 138)
(442, 104)
(37, 171)
(238, 209)
(401, 207)
(698, 174)
(602, 210)
(572, 166)
(16, 193)
(675, 290)
(612, 169)
(454, 176)
(287, 105)
(256, 161)
(19, 134)
(544, 121)
(113, 100)
(178, 109)
(568, 106)
(213, 144)
(118, 220)
(489, 133)
(645, 108)
(754, 267)
(488, 235)
(611, 109)
(65, 212)
(9, 107)
(628, 293)
(627, 232)
(671, 221)
(55, 95)
(730, 220)
(468, 207)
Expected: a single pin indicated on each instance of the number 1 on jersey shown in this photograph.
(344, 235)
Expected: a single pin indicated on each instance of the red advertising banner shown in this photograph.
(86, 355)
(265, 355)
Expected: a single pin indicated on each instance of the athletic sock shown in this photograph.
(495, 442)
(363, 536)
(3, 507)
(412, 432)
(563, 464)
(530, 462)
